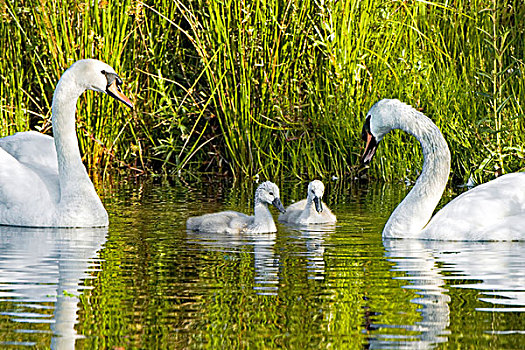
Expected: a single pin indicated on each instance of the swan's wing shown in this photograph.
(299, 205)
(482, 208)
(511, 228)
(217, 222)
(239, 223)
(32, 149)
(29, 160)
(24, 194)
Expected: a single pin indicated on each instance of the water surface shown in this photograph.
(148, 283)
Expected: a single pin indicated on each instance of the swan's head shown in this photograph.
(96, 75)
(380, 119)
(315, 194)
(268, 193)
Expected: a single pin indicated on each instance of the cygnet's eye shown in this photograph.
(271, 193)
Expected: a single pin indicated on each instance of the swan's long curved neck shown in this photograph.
(71, 171)
(415, 211)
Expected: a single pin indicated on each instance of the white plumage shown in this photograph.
(234, 222)
(43, 182)
(492, 211)
(311, 210)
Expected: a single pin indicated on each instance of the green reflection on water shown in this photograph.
(162, 287)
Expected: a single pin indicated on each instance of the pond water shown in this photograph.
(145, 282)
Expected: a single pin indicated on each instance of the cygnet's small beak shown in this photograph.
(277, 203)
(318, 204)
(114, 91)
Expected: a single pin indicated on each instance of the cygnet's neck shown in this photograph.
(310, 206)
(263, 218)
(72, 174)
(415, 211)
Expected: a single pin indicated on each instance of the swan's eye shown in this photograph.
(103, 72)
(271, 193)
(113, 78)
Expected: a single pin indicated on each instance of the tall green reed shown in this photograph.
(273, 87)
(44, 38)
(71, 31)
(498, 74)
(16, 97)
(292, 79)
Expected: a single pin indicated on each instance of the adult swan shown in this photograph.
(492, 211)
(43, 182)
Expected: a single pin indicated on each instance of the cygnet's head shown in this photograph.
(381, 118)
(268, 193)
(98, 76)
(315, 194)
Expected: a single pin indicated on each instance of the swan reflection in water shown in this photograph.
(496, 269)
(42, 269)
(313, 237)
(266, 262)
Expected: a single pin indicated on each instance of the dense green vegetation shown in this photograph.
(272, 87)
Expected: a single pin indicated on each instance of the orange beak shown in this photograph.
(114, 91)
(370, 148)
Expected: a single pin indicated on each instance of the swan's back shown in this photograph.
(293, 211)
(235, 222)
(20, 204)
(28, 160)
(32, 149)
(222, 222)
(491, 211)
